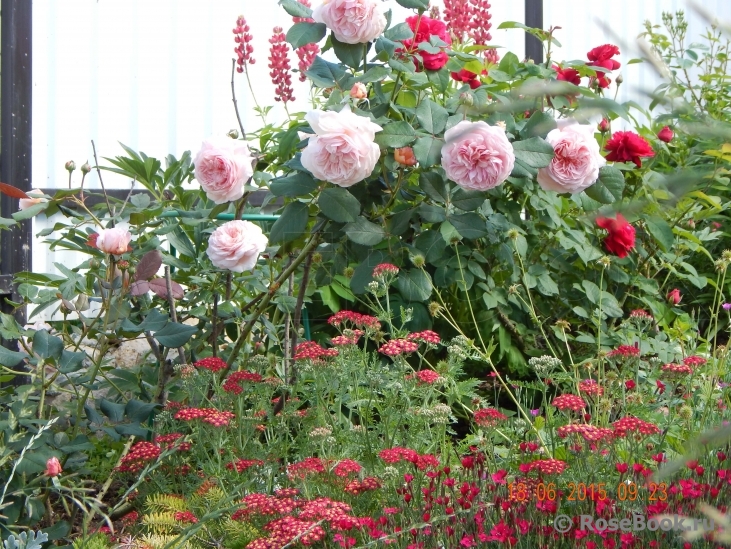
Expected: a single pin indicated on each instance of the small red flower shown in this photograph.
(628, 147)
(665, 134)
(427, 27)
(630, 384)
(621, 237)
(674, 296)
(567, 75)
(468, 77)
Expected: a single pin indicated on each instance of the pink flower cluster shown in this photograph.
(170, 441)
(396, 347)
(397, 454)
(244, 48)
(679, 369)
(590, 387)
(488, 417)
(382, 270)
(350, 339)
(545, 466)
(356, 319)
(214, 364)
(234, 382)
(306, 467)
(139, 455)
(346, 467)
(428, 377)
(624, 351)
(469, 17)
(241, 465)
(590, 433)
(311, 350)
(569, 402)
(427, 336)
(308, 52)
(279, 69)
(627, 424)
(212, 416)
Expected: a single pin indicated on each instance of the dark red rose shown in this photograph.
(428, 27)
(601, 56)
(468, 77)
(630, 384)
(567, 75)
(628, 147)
(665, 134)
(621, 237)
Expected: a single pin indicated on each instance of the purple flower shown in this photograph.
(726, 306)
(535, 412)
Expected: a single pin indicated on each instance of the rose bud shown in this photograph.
(665, 134)
(53, 467)
(405, 156)
(70, 165)
(85, 168)
(674, 296)
(358, 91)
(603, 126)
(35, 196)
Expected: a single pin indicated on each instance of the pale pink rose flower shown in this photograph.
(477, 156)
(352, 21)
(342, 151)
(575, 166)
(222, 167)
(36, 197)
(236, 246)
(53, 467)
(113, 241)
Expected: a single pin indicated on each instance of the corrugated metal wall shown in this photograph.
(155, 74)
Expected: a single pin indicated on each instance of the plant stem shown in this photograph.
(233, 98)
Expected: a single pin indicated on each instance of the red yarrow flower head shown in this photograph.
(427, 27)
(279, 67)
(674, 296)
(488, 417)
(213, 364)
(244, 48)
(567, 75)
(665, 134)
(628, 147)
(621, 238)
(624, 351)
(383, 270)
(569, 402)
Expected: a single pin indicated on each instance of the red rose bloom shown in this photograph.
(628, 146)
(468, 77)
(601, 56)
(428, 27)
(621, 237)
(665, 134)
(567, 75)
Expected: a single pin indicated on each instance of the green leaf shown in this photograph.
(295, 184)
(363, 274)
(350, 54)
(469, 225)
(609, 187)
(301, 34)
(431, 244)
(428, 151)
(539, 124)
(421, 5)
(468, 201)
(399, 32)
(33, 211)
(327, 75)
(291, 224)
(400, 222)
(140, 411)
(535, 152)
(432, 214)
(295, 9)
(153, 322)
(46, 345)
(10, 358)
(175, 334)
(435, 186)
(414, 285)
(362, 231)
(339, 205)
(374, 74)
(661, 232)
(113, 410)
(592, 291)
(396, 134)
(71, 362)
(431, 116)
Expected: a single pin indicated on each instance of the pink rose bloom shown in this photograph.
(222, 167)
(36, 197)
(477, 156)
(342, 151)
(236, 246)
(53, 467)
(352, 21)
(577, 160)
(113, 241)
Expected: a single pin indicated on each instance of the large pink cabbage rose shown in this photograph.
(222, 167)
(236, 246)
(352, 21)
(113, 241)
(477, 156)
(343, 150)
(577, 160)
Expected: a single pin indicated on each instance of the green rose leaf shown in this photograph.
(295, 9)
(428, 151)
(414, 285)
(362, 231)
(291, 224)
(469, 225)
(399, 32)
(435, 186)
(468, 201)
(339, 205)
(175, 334)
(534, 152)
(46, 345)
(539, 124)
(296, 184)
(431, 116)
(363, 274)
(396, 134)
(32, 211)
(10, 358)
(374, 74)
(113, 410)
(327, 75)
(350, 54)
(609, 187)
(661, 232)
(421, 5)
(301, 34)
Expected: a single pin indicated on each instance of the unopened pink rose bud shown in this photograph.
(674, 296)
(603, 126)
(665, 134)
(70, 165)
(358, 91)
(53, 467)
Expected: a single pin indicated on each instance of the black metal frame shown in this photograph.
(533, 18)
